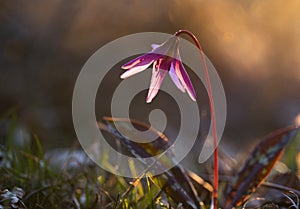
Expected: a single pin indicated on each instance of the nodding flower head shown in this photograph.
(165, 58)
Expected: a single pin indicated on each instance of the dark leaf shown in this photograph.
(257, 167)
(174, 182)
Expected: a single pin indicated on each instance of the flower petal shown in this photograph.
(139, 64)
(154, 46)
(167, 48)
(175, 78)
(184, 78)
(134, 70)
(158, 75)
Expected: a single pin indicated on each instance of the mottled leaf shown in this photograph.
(174, 182)
(257, 167)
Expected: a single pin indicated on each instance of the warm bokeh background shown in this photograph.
(253, 44)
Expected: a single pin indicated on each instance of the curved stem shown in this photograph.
(212, 112)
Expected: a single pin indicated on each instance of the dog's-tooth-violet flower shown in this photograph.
(165, 58)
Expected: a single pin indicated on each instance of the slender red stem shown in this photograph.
(212, 112)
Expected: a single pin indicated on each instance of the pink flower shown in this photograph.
(164, 57)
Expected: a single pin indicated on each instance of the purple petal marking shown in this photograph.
(175, 78)
(185, 79)
(139, 64)
(158, 75)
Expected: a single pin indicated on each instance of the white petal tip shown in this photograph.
(154, 46)
(193, 97)
(123, 76)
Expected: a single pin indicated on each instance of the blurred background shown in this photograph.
(253, 45)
